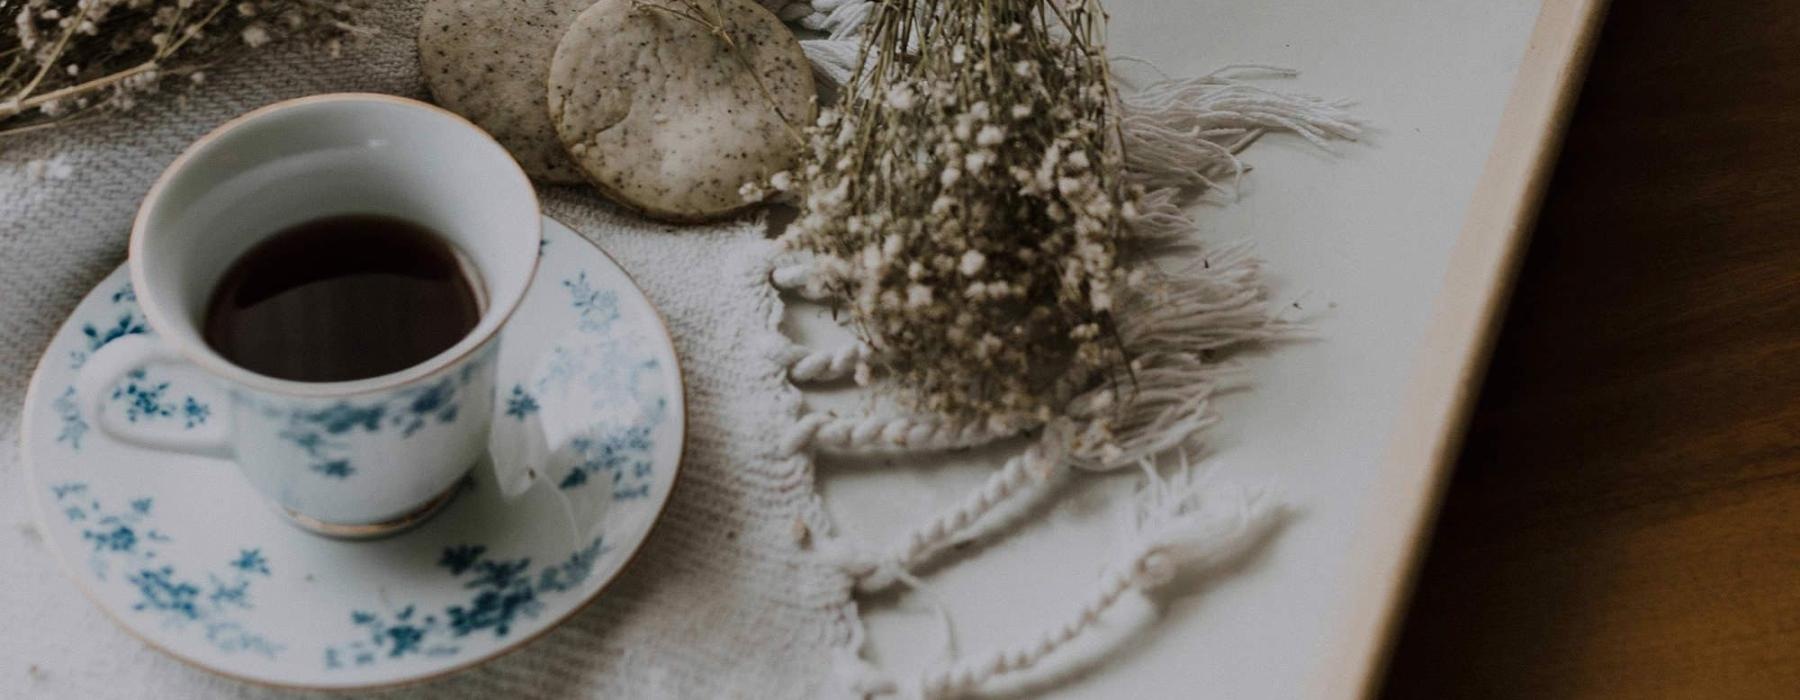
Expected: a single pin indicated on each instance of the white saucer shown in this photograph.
(184, 555)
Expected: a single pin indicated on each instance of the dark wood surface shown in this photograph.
(1624, 520)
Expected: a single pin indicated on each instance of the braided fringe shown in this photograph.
(1177, 532)
(1023, 474)
(1181, 139)
(870, 434)
(808, 365)
(798, 279)
(833, 58)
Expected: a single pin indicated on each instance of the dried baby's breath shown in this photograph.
(966, 203)
(61, 60)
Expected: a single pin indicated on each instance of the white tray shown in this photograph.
(1399, 249)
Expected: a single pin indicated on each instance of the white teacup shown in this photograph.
(352, 458)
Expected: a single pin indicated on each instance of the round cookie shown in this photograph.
(487, 60)
(664, 118)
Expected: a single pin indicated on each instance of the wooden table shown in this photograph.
(1625, 517)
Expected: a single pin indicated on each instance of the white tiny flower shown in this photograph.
(990, 136)
(1024, 69)
(254, 36)
(918, 296)
(949, 177)
(1021, 111)
(901, 97)
(958, 54)
(246, 9)
(1109, 454)
(972, 262)
(978, 161)
(988, 344)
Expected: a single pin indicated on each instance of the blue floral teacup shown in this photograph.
(352, 458)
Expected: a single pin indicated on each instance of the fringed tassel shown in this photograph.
(1216, 303)
(1186, 133)
(1169, 325)
(1177, 530)
(1158, 219)
(1169, 407)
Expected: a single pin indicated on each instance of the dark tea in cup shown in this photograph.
(342, 298)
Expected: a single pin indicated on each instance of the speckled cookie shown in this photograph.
(660, 114)
(487, 60)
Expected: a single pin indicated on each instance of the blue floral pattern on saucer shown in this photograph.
(125, 543)
(184, 553)
(502, 593)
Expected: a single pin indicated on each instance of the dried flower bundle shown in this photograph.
(967, 203)
(63, 59)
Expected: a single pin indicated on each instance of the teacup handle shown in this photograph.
(132, 353)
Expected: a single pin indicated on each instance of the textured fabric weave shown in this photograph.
(719, 603)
